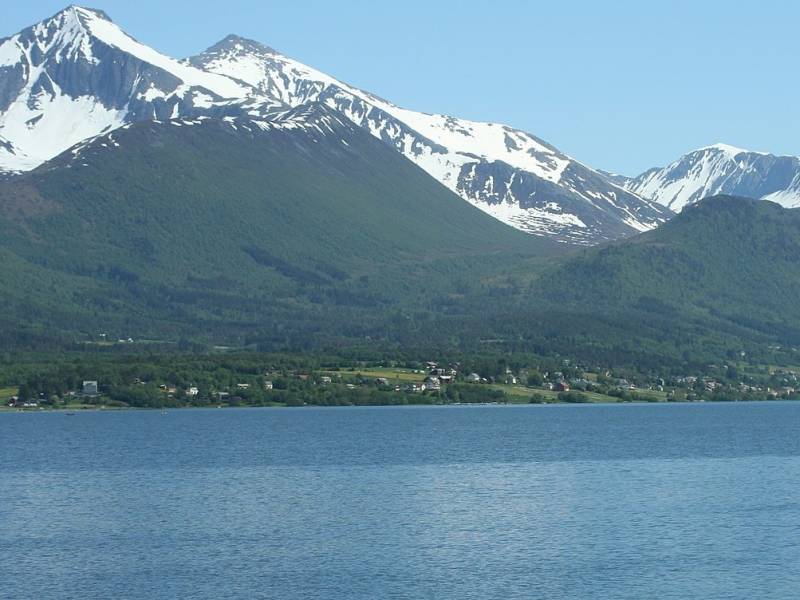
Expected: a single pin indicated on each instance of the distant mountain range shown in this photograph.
(720, 169)
(78, 75)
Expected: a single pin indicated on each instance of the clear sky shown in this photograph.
(620, 85)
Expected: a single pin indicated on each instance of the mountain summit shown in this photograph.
(77, 75)
(508, 173)
(721, 169)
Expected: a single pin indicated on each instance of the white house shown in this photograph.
(433, 383)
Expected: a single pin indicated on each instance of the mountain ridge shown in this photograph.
(721, 169)
(77, 75)
(508, 173)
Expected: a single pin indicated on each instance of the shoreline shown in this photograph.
(75, 411)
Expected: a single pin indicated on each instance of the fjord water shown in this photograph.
(637, 501)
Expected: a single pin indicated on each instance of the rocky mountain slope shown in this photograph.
(78, 75)
(721, 169)
(506, 172)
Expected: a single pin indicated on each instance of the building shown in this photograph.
(473, 378)
(325, 380)
(192, 392)
(268, 385)
(90, 388)
(561, 386)
(433, 383)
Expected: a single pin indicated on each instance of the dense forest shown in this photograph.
(326, 247)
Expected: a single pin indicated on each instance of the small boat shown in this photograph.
(70, 414)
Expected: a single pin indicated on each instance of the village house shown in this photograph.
(90, 388)
(325, 380)
(192, 392)
(432, 383)
(242, 386)
(473, 378)
(268, 385)
(561, 386)
(17, 402)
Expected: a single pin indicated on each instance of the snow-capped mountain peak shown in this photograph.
(277, 79)
(506, 172)
(721, 169)
(727, 149)
(78, 75)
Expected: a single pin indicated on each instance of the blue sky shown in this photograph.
(619, 85)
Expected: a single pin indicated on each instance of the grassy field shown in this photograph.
(393, 375)
(521, 394)
(7, 392)
(518, 393)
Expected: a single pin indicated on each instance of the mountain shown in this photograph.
(721, 169)
(294, 230)
(77, 75)
(720, 278)
(508, 173)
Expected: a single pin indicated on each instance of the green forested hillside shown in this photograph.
(721, 277)
(322, 237)
(223, 232)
